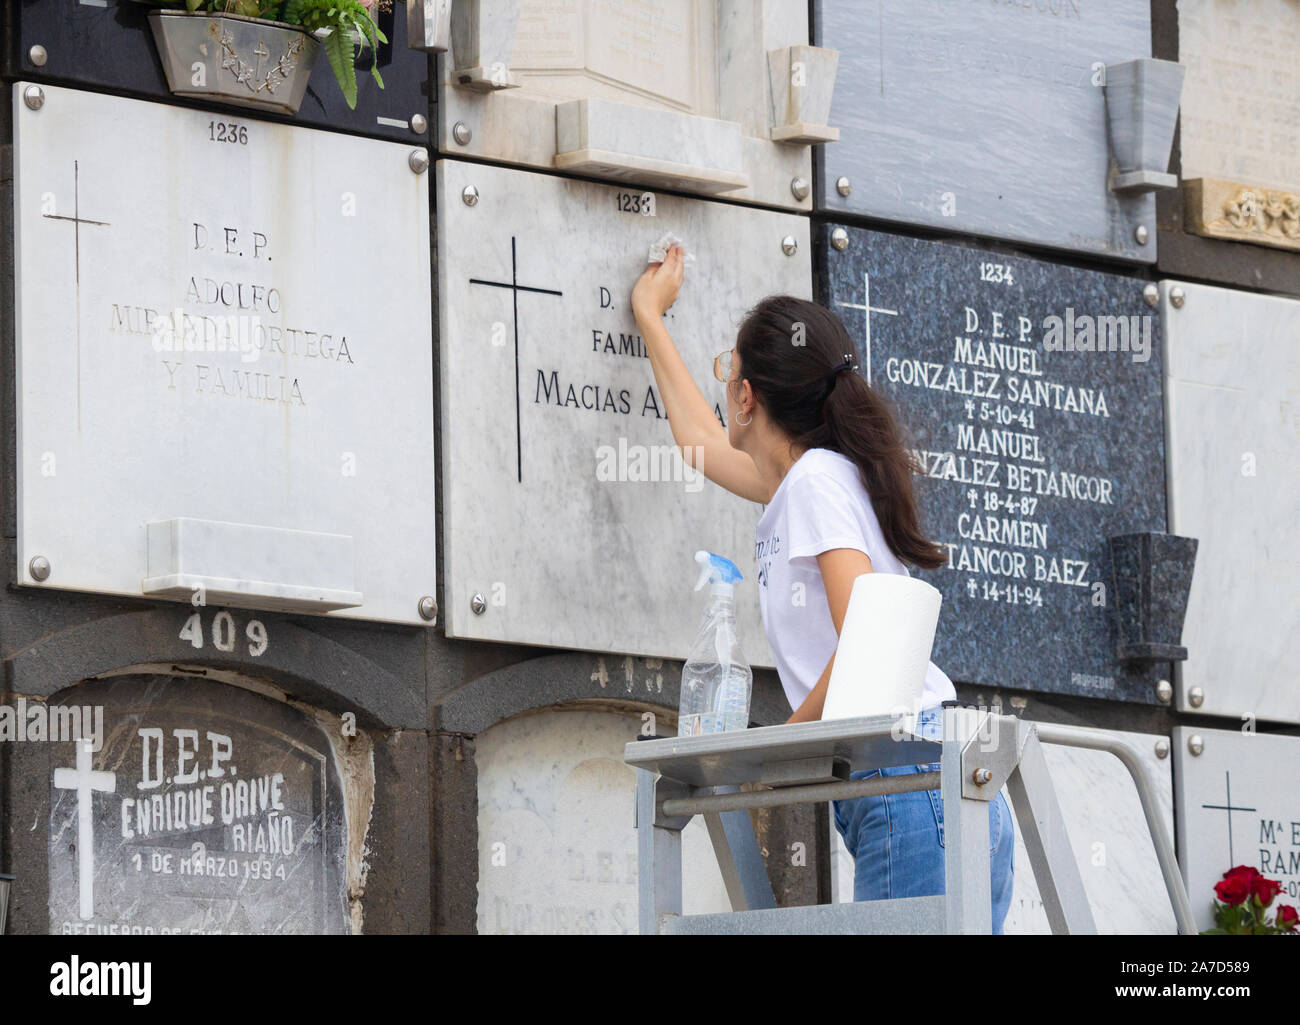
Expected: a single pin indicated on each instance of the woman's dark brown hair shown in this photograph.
(788, 349)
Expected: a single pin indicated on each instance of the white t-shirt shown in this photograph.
(819, 505)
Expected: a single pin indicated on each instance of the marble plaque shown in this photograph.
(1032, 457)
(986, 118)
(556, 828)
(659, 93)
(1110, 837)
(1241, 97)
(1232, 363)
(206, 809)
(221, 391)
(1237, 805)
(566, 506)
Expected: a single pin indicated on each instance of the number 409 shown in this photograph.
(223, 633)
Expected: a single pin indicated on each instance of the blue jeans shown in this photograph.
(897, 840)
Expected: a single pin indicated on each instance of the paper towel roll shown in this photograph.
(884, 647)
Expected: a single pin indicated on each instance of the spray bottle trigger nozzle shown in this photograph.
(706, 568)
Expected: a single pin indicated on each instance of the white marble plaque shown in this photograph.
(222, 323)
(1232, 397)
(1241, 97)
(556, 833)
(684, 79)
(566, 505)
(1108, 832)
(1238, 804)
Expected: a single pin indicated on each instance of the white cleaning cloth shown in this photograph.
(659, 251)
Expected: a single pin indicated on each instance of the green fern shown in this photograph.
(342, 18)
(338, 48)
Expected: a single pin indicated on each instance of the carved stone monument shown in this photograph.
(222, 396)
(206, 809)
(1033, 394)
(570, 518)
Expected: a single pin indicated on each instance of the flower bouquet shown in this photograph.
(1244, 897)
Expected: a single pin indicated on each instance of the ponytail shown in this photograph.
(792, 353)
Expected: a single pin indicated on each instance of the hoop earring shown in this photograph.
(744, 423)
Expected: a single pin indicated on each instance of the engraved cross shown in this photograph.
(1229, 808)
(866, 307)
(515, 287)
(85, 782)
(262, 53)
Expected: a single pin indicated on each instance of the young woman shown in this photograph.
(808, 437)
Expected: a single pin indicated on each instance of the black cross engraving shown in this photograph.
(515, 287)
(77, 221)
(1229, 808)
(76, 218)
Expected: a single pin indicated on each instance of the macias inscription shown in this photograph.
(553, 388)
(229, 311)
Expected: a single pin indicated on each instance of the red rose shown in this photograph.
(1237, 885)
(1264, 890)
(1287, 918)
(1233, 891)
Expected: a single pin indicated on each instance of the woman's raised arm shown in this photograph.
(695, 427)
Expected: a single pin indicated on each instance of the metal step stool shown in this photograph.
(981, 751)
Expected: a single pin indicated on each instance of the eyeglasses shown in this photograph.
(722, 365)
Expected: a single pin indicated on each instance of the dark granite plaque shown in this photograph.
(208, 809)
(108, 46)
(1033, 457)
(983, 117)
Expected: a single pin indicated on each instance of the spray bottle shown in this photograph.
(716, 680)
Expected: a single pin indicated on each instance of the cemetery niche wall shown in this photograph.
(1035, 451)
(1035, 123)
(212, 276)
(718, 97)
(205, 809)
(570, 518)
(1232, 391)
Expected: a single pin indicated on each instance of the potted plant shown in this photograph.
(258, 53)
